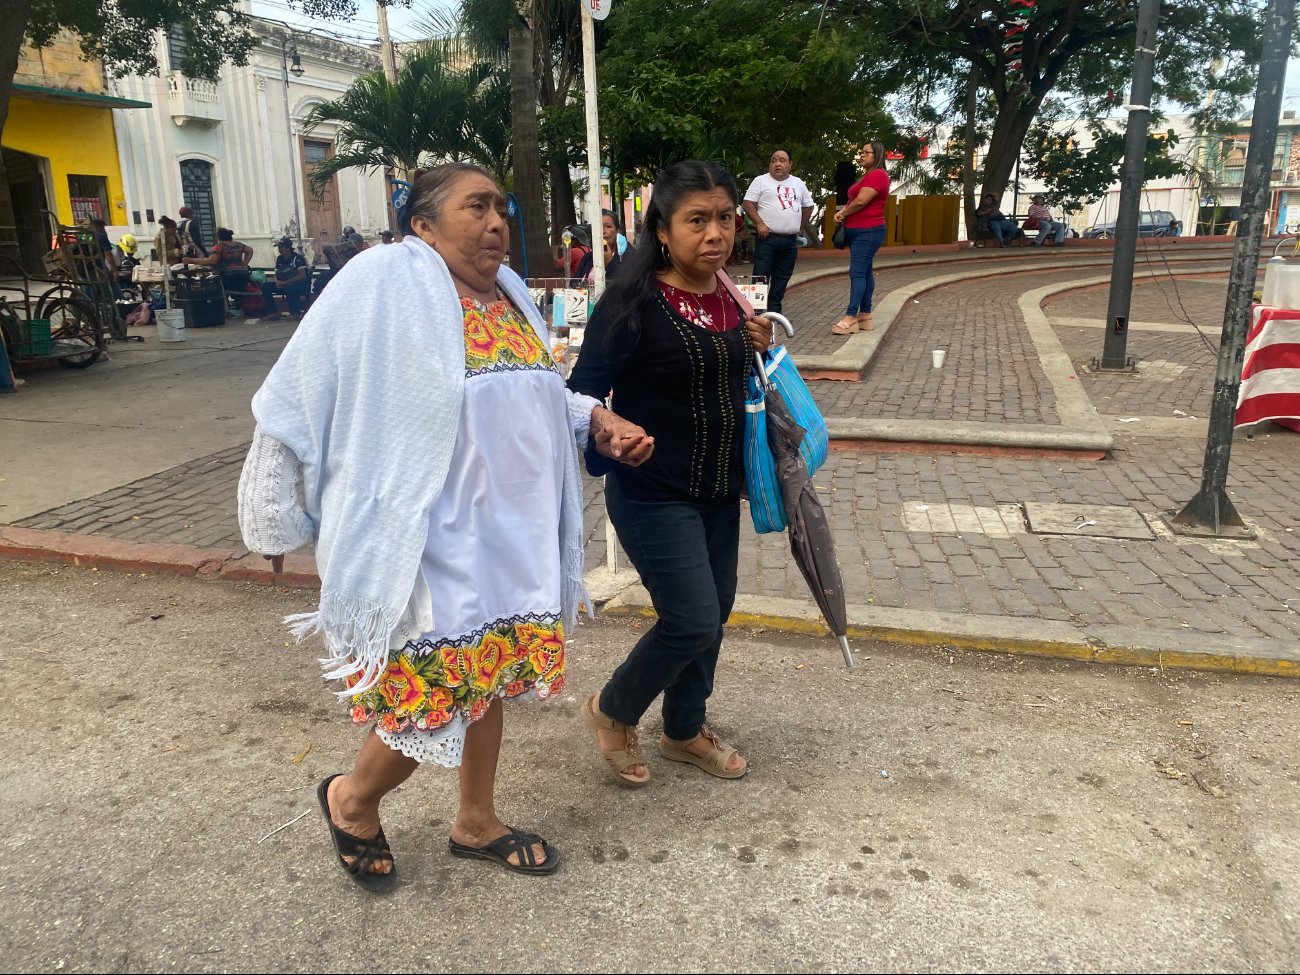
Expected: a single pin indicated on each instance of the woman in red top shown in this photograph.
(864, 225)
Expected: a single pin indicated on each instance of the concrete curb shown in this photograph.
(1049, 639)
(95, 551)
(1125, 646)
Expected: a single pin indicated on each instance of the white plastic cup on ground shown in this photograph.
(936, 357)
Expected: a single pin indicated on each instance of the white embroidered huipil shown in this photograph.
(496, 560)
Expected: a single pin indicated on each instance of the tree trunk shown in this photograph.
(527, 158)
(1013, 121)
(563, 211)
(968, 151)
(13, 25)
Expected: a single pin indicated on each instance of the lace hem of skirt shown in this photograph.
(442, 746)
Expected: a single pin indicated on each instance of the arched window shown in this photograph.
(196, 188)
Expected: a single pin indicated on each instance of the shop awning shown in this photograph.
(44, 94)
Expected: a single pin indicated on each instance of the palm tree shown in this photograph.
(434, 109)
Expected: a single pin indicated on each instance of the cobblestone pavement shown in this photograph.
(1173, 366)
(950, 532)
(194, 504)
(931, 531)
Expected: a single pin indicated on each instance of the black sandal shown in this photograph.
(366, 851)
(499, 850)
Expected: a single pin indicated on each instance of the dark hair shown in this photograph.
(429, 192)
(225, 233)
(167, 222)
(97, 222)
(781, 149)
(637, 285)
(877, 155)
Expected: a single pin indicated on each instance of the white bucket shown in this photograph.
(171, 325)
(936, 358)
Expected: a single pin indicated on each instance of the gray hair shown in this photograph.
(430, 190)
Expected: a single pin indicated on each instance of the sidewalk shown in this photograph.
(1012, 500)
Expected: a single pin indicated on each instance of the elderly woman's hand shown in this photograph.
(760, 332)
(620, 439)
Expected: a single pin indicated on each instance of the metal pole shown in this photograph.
(593, 210)
(1130, 187)
(593, 154)
(293, 143)
(1211, 508)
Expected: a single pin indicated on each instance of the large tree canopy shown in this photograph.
(930, 50)
(730, 80)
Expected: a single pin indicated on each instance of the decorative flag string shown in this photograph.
(1013, 46)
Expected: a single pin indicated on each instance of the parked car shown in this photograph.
(1151, 223)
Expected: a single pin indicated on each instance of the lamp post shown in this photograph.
(291, 63)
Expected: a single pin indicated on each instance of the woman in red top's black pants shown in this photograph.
(671, 343)
(863, 218)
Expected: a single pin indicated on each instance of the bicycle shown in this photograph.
(76, 336)
(1290, 242)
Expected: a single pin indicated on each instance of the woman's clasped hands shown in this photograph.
(619, 439)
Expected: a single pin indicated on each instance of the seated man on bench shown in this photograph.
(989, 217)
(290, 280)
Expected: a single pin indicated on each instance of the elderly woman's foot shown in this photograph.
(865, 321)
(359, 839)
(493, 840)
(706, 751)
(847, 325)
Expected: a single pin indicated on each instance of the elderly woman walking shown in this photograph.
(436, 444)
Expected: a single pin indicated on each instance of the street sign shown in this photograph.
(598, 9)
(401, 193)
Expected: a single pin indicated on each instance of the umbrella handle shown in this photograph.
(781, 320)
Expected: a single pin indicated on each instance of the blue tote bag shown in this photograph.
(777, 368)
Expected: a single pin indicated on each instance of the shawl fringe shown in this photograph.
(357, 634)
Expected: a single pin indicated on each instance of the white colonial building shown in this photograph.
(235, 150)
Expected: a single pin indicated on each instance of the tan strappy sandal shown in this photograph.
(847, 325)
(617, 762)
(866, 322)
(715, 762)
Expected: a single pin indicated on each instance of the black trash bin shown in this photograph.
(202, 298)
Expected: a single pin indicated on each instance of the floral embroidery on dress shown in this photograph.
(498, 338)
(429, 683)
(699, 309)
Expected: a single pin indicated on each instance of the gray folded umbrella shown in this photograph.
(810, 533)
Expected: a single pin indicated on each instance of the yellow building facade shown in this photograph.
(60, 146)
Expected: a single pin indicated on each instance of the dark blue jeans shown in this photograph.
(863, 244)
(293, 296)
(774, 259)
(686, 555)
(1004, 229)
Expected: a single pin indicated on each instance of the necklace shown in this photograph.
(692, 307)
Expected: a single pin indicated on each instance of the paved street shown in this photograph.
(932, 810)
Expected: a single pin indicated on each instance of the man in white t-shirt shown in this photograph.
(780, 206)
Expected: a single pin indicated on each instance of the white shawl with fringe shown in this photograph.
(367, 394)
